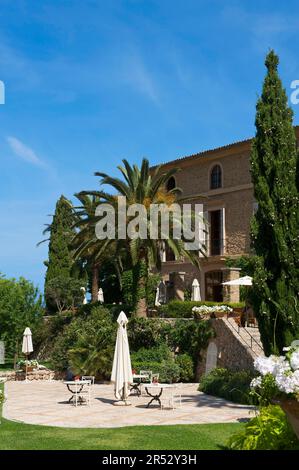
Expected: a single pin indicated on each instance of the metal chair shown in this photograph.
(91, 379)
(170, 397)
(147, 379)
(80, 390)
(155, 378)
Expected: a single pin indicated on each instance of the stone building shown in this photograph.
(220, 180)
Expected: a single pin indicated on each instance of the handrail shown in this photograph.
(237, 329)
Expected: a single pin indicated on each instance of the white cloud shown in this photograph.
(24, 152)
(135, 73)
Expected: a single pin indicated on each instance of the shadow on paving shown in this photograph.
(214, 402)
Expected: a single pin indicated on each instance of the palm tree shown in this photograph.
(86, 245)
(144, 186)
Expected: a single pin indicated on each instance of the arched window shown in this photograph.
(170, 184)
(216, 177)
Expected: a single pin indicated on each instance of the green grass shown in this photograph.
(21, 436)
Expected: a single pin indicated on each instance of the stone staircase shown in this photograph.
(249, 337)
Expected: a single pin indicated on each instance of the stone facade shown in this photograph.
(234, 202)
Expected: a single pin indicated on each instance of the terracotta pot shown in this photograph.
(218, 314)
(291, 409)
(29, 368)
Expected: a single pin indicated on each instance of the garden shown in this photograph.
(90, 280)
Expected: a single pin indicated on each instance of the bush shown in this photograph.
(147, 332)
(180, 309)
(184, 337)
(269, 430)
(168, 370)
(86, 341)
(186, 365)
(87, 344)
(64, 293)
(47, 333)
(115, 310)
(233, 386)
(161, 360)
(20, 306)
(155, 354)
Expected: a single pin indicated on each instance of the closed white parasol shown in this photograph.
(122, 370)
(101, 295)
(27, 346)
(195, 291)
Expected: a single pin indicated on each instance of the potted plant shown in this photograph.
(27, 365)
(279, 382)
(214, 311)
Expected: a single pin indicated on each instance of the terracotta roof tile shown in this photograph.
(210, 151)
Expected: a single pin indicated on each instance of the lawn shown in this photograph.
(188, 437)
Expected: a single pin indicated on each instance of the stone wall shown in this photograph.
(232, 352)
(42, 374)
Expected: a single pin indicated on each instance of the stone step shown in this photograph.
(248, 336)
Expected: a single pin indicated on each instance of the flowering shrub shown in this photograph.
(24, 363)
(205, 309)
(269, 430)
(279, 376)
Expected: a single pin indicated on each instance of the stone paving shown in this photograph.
(46, 403)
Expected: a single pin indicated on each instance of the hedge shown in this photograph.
(224, 383)
(183, 309)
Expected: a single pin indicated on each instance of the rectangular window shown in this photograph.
(215, 233)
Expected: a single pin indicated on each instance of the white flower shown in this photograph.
(257, 382)
(271, 365)
(294, 360)
(287, 348)
(288, 382)
(211, 309)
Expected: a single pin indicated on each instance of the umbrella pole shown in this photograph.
(26, 380)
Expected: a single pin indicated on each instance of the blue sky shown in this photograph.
(89, 83)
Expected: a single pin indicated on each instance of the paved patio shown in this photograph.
(46, 403)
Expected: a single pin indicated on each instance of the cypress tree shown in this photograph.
(60, 261)
(275, 225)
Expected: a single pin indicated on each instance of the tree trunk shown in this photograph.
(141, 309)
(95, 282)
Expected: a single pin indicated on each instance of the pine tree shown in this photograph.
(60, 262)
(275, 226)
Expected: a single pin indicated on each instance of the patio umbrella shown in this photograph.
(195, 291)
(100, 295)
(27, 346)
(241, 281)
(122, 369)
(84, 293)
(157, 303)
